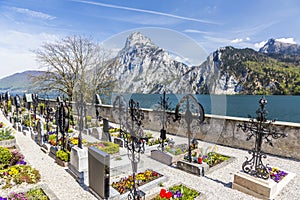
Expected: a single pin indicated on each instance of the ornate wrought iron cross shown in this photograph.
(164, 105)
(191, 110)
(261, 129)
(120, 109)
(81, 108)
(134, 141)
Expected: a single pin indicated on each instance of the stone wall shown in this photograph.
(219, 130)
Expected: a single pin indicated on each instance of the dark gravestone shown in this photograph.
(119, 141)
(99, 167)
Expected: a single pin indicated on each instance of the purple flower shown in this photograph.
(21, 162)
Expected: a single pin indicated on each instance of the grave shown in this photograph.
(257, 187)
(162, 157)
(194, 168)
(78, 165)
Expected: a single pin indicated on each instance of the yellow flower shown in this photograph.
(13, 171)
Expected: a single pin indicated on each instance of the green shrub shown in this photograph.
(6, 134)
(36, 193)
(63, 155)
(89, 118)
(5, 156)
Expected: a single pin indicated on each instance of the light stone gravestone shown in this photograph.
(78, 165)
(96, 132)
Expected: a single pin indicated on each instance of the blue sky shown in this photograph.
(181, 26)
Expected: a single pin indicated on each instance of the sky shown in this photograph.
(190, 29)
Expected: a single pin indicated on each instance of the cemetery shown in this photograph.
(60, 149)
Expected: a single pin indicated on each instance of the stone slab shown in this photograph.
(257, 187)
(52, 152)
(46, 147)
(161, 157)
(194, 168)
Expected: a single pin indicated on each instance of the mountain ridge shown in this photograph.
(142, 67)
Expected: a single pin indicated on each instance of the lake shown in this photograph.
(280, 108)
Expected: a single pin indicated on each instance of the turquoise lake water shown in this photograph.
(280, 108)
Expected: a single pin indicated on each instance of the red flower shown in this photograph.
(169, 195)
(162, 193)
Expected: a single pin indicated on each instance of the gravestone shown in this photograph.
(40, 132)
(194, 168)
(96, 132)
(106, 134)
(119, 141)
(161, 157)
(99, 167)
(78, 166)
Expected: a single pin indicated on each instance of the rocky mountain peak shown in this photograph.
(274, 46)
(136, 39)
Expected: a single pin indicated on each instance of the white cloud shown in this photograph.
(260, 44)
(237, 40)
(286, 40)
(32, 13)
(248, 39)
(16, 50)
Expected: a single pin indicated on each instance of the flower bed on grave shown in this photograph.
(108, 147)
(211, 158)
(180, 192)
(276, 174)
(14, 170)
(125, 184)
(34, 193)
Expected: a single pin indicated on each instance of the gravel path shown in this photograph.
(57, 180)
(215, 185)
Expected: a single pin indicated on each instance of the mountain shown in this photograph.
(246, 71)
(143, 67)
(19, 82)
(274, 46)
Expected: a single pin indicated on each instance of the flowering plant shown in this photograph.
(276, 174)
(126, 184)
(177, 192)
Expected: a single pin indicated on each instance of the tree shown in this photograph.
(73, 61)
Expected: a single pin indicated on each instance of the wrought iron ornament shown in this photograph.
(192, 111)
(164, 105)
(262, 130)
(134, 141)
